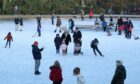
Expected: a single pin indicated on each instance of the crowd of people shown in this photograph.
(62, 43)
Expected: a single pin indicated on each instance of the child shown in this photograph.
(108, 30)
(57, 41)
(56, 73)
(64, 48)
(77, 48)
(80, 78)
(9, 39)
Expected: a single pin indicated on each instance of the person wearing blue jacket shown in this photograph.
(104, 24)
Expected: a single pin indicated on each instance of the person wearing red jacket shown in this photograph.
(56, 73)
(9, 39)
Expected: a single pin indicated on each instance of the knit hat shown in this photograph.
(118, 62)
(36, 43)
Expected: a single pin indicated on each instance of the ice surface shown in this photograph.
(17, 64)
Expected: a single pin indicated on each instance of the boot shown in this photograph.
(37, 72)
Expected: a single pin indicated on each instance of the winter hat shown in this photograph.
(36, 43)
(76, 71)
(118, 62)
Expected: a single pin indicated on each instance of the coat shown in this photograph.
(58, 23)
(9, 37)
(66, 37)
(16, 20)
(119, 76)
(80, 79)
(94, 43)
(77, 35)
(56, 73)
(36, 52)
(57, 41)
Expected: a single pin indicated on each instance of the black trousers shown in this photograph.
(96, 49)
(8, 42)
(56, 82)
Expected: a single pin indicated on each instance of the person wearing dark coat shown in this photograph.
(16, 20)
(71, 22)
(37, 56)
(58, 24)
(21, 23)
(57, 41)
(9, 39)
(94, 46)
(77, 35)
(119, 23)
(102, 18)
(56, 73)
(120, 73)
(66, 37)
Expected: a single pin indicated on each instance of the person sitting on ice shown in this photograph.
(80, 78)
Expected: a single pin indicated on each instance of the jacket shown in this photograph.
(9, 37)
(36, 52)
(80, 79)
(66, 37)
(77, 35)
(119, 76)
(57, 41)
(55, 73)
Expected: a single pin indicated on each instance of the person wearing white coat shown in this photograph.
(80, 78)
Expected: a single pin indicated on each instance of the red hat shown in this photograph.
(36, 43)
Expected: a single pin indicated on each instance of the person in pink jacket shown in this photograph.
(64, 48)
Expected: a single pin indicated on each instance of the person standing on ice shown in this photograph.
(91, 14)
(37, 56)
(16, 20)
(94, 46)
(71, 24)
(80, 78)
(58, 24)
(56, 73)
(66, 37)
(9, 39)
(120, 73)
(39, 25)
(52, 18)
(57, 41)
(21, 23)
(118, 25)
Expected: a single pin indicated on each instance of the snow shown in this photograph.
(17, 64)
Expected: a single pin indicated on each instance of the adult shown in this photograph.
(16, 20)
(21, 23)
(94, 46)
(71, 24)
(37, 56)
(52, 18)
(77, 35)
(118, 25)
(58, 24)
(39, 25)
(66, 37)
(56, 73)
(102, 18)
(120, 73)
